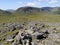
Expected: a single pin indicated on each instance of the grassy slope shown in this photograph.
(22, 18)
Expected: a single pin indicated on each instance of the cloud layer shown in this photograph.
(31, 4)
(53, 2)
(39, 2)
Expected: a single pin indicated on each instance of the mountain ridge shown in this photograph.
(29, 10)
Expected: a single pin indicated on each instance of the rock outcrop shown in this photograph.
(31, 33)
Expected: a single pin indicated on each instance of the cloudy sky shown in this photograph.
(14, 4)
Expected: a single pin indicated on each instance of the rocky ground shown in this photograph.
(30, 33)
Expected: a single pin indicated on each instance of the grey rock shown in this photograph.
(10, 40)
(15, 26)
(8, 37)
(48, 42)
(1, 44)
(15, 43)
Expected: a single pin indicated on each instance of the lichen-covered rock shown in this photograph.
(1, 44)
(8, 37)
(33, 32)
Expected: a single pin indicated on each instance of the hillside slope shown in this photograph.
(41, 25)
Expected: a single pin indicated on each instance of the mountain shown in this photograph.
(28, 10)
(35, 10)
(47, 9)
(56, 10)
(10, 10)
(32, 10)
(3, 12)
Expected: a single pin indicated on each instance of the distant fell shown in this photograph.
(32, 10)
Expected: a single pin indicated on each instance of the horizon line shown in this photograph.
(28, 6)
